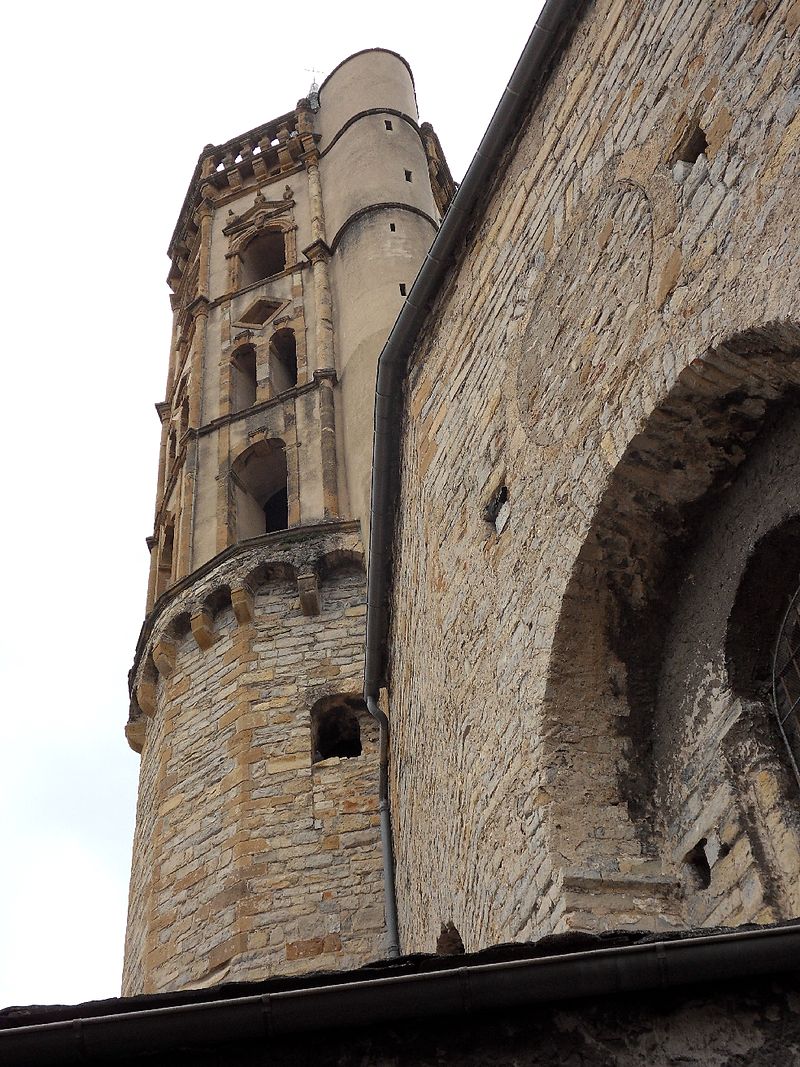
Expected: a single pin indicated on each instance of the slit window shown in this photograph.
(402, 289)
(388, 124)
(408, 175)
(392, 227)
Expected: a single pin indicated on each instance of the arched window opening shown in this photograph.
(264, 256)
(283, 361)
(243, 378)
(165, 554)
(335, 728)
(769, 581)
(259, 476)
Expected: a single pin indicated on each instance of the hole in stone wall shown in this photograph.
(388, 124)
(697, 867)
(449, 941)
(392, 227)
(408, 175)
(335, 728)
(692, 145)
(498, 509)
(402, 289)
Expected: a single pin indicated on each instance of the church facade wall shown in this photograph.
(609, 355)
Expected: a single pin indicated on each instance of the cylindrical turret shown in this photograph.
(381, 219)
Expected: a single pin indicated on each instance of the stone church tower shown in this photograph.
(257, 843)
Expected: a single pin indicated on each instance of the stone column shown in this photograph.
(326, 379)
(199, 310)
(318, 254)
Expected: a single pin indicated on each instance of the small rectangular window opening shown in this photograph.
(387, 123)
(408, 175)
(392, 227)
(402, 289)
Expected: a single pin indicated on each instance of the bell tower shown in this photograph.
(257, 846)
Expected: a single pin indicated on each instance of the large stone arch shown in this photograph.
(607, 816)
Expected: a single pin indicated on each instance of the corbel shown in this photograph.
(146, 698)
(243, 604)
(135, 733)
(164, 657)
(203, 627)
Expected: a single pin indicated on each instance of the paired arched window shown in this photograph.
(262, 257)
(260, 483)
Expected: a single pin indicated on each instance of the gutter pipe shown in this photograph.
(389, 392)
(458, 991)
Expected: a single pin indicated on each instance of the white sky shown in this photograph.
(106, 109)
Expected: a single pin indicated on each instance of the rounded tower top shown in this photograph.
(375, 78)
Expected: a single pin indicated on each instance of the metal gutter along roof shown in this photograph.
(448, 991)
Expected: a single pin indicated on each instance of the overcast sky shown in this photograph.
(106, 108)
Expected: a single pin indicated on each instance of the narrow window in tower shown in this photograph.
(165, 551)
(184, 423)
(261, 489)
(172, 450)
(283, 361)
(388, 124)
(408, 175)
(335, 728)
(243, 378)
(264, 256)
(392, 227)
(402, 289)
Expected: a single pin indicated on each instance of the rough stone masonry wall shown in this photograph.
(249, 859)
(647, 215)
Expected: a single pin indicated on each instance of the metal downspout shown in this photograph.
(389, 388)
(387, 852)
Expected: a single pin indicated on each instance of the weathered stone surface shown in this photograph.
(613, 348)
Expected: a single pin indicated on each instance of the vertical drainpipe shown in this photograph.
(387, 852)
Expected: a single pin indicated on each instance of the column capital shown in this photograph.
(317, 250)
